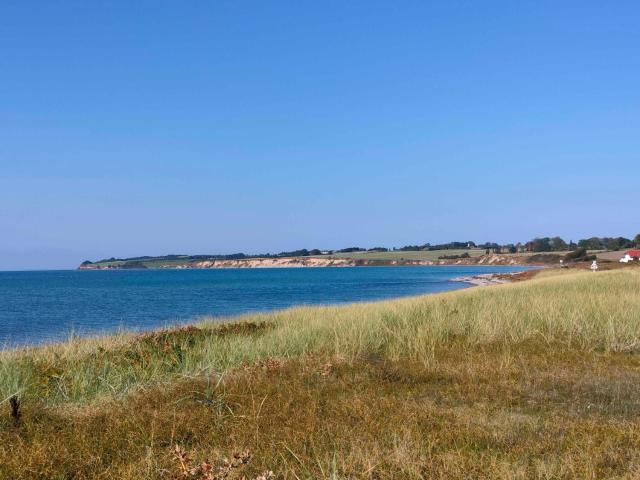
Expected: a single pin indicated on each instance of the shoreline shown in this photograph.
(316, 262)
(488, 279)
(466, 281)
(296, 266)
(441, 366)
(482, 280)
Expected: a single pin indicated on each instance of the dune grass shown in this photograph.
(530, 380)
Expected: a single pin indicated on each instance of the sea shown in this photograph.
(48, 306)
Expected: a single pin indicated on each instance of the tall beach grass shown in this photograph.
(536, 379)
(574, 310)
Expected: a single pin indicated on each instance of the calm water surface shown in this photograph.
(45, 306)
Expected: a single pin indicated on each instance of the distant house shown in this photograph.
(630, 255)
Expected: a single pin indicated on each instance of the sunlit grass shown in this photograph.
(535, 379)
(579, 310)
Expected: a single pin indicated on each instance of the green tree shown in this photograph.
(539, 245)
(636, 240)
(558, 244)
(612, 244)
(618, 243)
(593, 243)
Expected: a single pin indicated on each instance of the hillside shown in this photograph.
(536, 379)
(353, 259)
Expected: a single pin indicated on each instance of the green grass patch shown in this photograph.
(419, 255)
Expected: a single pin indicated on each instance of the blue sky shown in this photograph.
(132, 128)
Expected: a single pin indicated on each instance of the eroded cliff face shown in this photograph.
(243, 263)
(273, 263)
(288, 262)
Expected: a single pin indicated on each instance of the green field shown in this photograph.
(536, 379)
(419, 255)
(154, 262)
(163, 262)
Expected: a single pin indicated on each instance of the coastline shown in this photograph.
(481, 280)
(319, 262)
(446, 361)
(455, 282)
(488, 279)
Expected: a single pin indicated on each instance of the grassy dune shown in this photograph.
(530, 380)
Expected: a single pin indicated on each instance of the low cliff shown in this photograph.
(324, 261)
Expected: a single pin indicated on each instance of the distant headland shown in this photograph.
(539, 251)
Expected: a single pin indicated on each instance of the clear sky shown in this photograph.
(133, 128)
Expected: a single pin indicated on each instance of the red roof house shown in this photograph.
(633, 253)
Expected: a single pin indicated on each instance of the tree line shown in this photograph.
(557, 244)
(537, 245)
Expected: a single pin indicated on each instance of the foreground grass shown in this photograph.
(531, 380)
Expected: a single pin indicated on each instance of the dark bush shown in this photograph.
(545, 258)
(579, 255)
(132, 265)
(454, 257)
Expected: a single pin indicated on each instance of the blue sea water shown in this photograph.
(43, 306)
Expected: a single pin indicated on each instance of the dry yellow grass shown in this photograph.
(530, 380)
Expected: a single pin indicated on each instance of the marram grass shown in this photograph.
(537, 379)
(576, 310)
